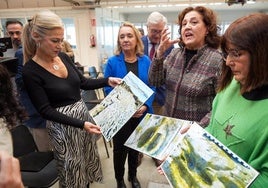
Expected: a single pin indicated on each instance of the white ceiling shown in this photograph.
(128, 6)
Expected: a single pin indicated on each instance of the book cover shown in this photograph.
(200, 160)
(193, 159)
(120, 105)
(156, 135)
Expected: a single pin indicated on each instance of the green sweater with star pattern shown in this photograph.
(240, 122)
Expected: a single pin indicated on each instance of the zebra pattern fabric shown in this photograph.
(75, 150)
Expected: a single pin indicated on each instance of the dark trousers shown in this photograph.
(121, 152)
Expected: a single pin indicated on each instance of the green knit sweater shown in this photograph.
(242, 126)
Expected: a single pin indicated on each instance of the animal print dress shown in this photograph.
(75, 150)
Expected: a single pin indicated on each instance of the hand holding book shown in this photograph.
(194, 157)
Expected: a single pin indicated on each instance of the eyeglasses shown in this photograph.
(155, 31)
(11, 33)
(234, 54)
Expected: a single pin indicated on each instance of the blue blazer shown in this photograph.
(116, 68)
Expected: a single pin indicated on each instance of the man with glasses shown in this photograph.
(156, 22)
(14, 30)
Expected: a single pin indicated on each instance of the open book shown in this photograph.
(155, 135)
(193, 159)
(120, 105)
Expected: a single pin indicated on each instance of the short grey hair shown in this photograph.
(155, 18)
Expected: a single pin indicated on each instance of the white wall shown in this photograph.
(84, 54)
(107, 35)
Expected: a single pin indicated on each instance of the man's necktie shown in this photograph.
(152, 51)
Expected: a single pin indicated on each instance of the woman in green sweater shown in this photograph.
(239, 114)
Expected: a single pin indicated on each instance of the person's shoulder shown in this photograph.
(144, 38)
(144, 58)
(217, 54)
(62, 55)
(65, 58)
(213, 57)
(176, 50)
(212, 50)
(19, 51)
(31, 71)
(29, 66)
(114, 58)
(29, 63)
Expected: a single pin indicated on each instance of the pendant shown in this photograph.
(56, 67)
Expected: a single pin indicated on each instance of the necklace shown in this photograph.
(131, 60)
(54, 63)
(56, 67)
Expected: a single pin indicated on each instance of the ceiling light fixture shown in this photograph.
(231, 2)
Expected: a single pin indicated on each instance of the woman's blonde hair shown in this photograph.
(139, 47)
(40, 24)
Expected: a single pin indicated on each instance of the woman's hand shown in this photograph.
(165, 43)
(113, 81)
(140, 111)
(159, 170)
(91, 128)
(10, 176)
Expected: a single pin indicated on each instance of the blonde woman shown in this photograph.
(128, 57)
(53, 84)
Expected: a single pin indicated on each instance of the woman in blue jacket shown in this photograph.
(128, 57)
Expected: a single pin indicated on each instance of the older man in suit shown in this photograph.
(156, 22)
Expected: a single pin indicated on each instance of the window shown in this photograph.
(69, 31)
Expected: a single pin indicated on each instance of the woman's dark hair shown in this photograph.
(210, 19)
(249, 33)
(10, 110)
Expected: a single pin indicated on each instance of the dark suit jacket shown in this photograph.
(146, 44)
(160, 91)
(35, 120)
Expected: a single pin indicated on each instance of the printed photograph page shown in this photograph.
(156, 135)
(200, 160)
(120, 105)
